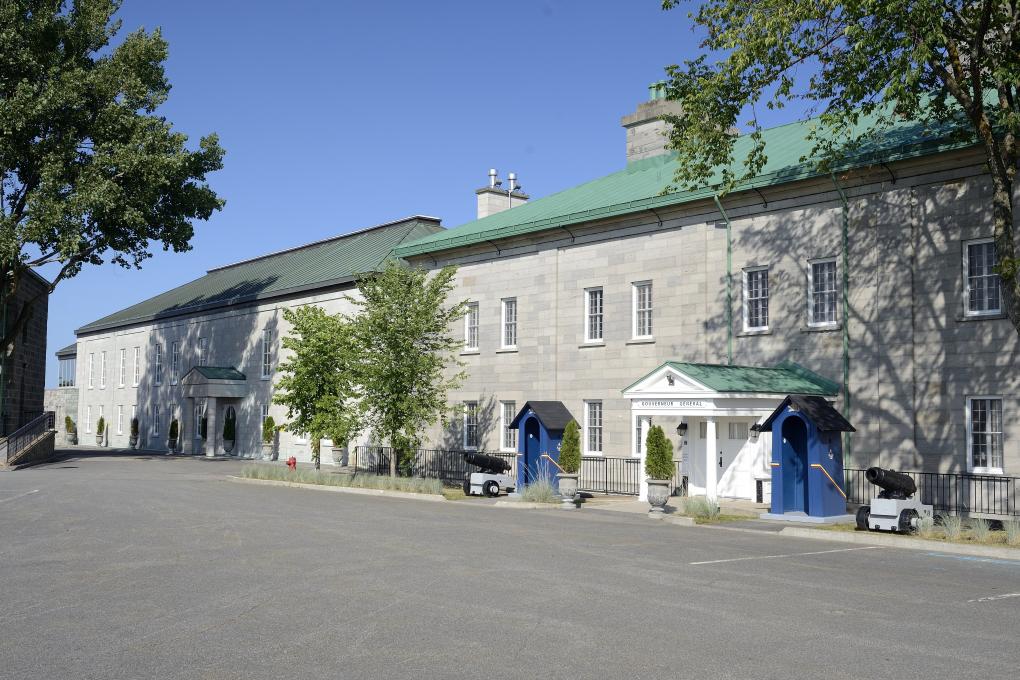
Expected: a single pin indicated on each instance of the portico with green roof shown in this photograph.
(712, 407)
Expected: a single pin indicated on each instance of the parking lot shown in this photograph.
(137, 567)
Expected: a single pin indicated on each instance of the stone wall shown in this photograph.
(63, 401)
(25, 369)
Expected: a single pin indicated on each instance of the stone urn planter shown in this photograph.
(658, 494)
(268, 451)
(568, 489)
(71, 437)
(341, 456)
(171, 445)
(133, 441)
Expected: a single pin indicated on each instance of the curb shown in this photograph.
(527, 505)
(890, 541)
(341, 489)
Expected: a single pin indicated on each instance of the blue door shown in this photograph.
(794, 465)
(532, 451)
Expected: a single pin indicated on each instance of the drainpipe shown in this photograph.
(729, 281)
(847, 439)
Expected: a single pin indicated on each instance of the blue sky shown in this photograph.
(341, 115)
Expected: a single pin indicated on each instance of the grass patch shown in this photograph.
(454, 493)
(701, 509)
(1012, 531)
(953, 529)
(541, 490)
(361, 480)
(952, 526)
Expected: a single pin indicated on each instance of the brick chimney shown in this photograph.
(646, 131)
(496, 198)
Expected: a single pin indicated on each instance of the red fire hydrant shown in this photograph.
(292, 463)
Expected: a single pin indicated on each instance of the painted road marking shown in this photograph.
(970, 558)
(20, 495)
(990, 598)
(769, 557)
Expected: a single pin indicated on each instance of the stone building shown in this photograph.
(24, 371)
(63, 399)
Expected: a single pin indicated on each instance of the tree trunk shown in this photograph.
(1005, 248)
(393, 461)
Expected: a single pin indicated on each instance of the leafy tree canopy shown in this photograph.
(861, 65)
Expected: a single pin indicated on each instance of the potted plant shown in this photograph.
(229, 429)
(659, 468)
(570, 464)
(69, 430)
(171, 439)
(268, 438)
(133, 439)
(100, 430)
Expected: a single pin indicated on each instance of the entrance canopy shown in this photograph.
(214, 382)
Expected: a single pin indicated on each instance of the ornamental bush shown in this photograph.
(101, 425)
(570, 449)
(268, 430)
(203, 427)
(68, 424)
(659, 456)
(174, 429)
(134, 427)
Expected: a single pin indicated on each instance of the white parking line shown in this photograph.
(990, 598)
(769, 557)
(20, 495)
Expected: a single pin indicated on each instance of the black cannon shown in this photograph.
(893, 484)
(493, 465)
(491, 479)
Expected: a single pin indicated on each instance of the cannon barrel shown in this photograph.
(491, 464)
(890, 480)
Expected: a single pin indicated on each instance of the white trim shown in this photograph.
(504, 422)
(810, 293)
(503, 323)
(635, 286)
(92, 370)
(122, 374)
(472, 311)
(588, 450)
(88, 420)
(175, 361)
(464, 439)
(984, 469)
(587, 315)
(102, 370)
(157, 365)
(266, 356)
(137, 367)
(746, 300)
(120, 419)
(967, 312)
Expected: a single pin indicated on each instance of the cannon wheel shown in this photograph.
(863, 515)
(492, 488)
(467, 485)
(905, 524)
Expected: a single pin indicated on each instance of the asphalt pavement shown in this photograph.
(154, 567)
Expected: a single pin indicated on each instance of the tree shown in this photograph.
(319, 383)
(403, 330)
(658, 454)
(570, 449)
(863, 65)
(88, 172)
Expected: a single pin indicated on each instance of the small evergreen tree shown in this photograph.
(101, 425)
(174, 429)
(68, 424)
(134, 427)
(570, 449)
(659, 455)
(229, 427)
(268, 430)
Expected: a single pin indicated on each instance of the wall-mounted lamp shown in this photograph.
(681, 429)
(754, 432)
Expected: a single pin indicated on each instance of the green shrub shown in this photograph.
(570, 449)
(134, 427)
(203, 427)
(174, 429)
(659, 455)
(541, 490)
(698, 507)
(101, 425)
(1012, 528)
(981, 529)
(229, 427)
(952, 526)
(268, 430)
(68, 424)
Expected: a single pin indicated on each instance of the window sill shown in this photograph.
(991, 472)
(593, 343)
(963, 318)
(754, 331)
(506, 350)
(469, 352)
(827, 328)
(265, 377)
(640, 341)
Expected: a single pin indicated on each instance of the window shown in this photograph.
(470, 424)
(265, 414)
(134, 413)
(158, 365)
(134, 380)
(984, 434)
(122, 373)
(120, 420)
(643, 309)
(756, 299)
(738, 431)
(200, 350)
(471, 326)
(510, 323)
(593, 426)
(92, 368)
(155, 421)
(822, 293)
(66, 374)
(593, 315)
(175, 361)
(102, 370)
(982, 286)
(88, 419)
(267, 353)
(197, 422)
(639, 440)
(509, 439)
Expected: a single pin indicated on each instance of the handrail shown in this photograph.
(550, 459)
(838, 487)
(19, 440)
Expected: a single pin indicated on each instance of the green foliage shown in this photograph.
(698, 507)
(952, 526)
(229, 427)
(981, 529)
(863, 66)
(319, 379)
(134, 427)
(1012, 528)
(175, 429)
(358, 481)
(90, 171)
(68, 424)
(658, 455)
(101, 426)
(403, 335)
(268, 430)
(540, 490)
(570, 448)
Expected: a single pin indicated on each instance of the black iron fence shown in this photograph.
(948, 492)
(21, 438)
(621, 476)
(443, 464)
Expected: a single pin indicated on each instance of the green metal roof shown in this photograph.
(70, 350)
(784, 378)
(219, 372)
(324, 263)
(640, 185)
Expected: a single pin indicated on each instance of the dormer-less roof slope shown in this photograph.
(317, 265)
(640, 185)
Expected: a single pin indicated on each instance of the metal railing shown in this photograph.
(948, 492)
(621, 476)
(443, 464)
(20, 439)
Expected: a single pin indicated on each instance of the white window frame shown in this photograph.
(748, 271)
(985, 469)
(92, 369)
(175, 361)
(811, 293)
(471, 333)
(120, 419)
(200, 350)
(589, 427)
(967, 311)
(636, 312)
(266, 368)
(155, 420)
(122, 373)
(590, 316)
(102, 370)
(137, 368)
(157, 365)
(88, 420)
(508, 326)
(470, 407)
(639, 443)
(197, 418)
(507, 436)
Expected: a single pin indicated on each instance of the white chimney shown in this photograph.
(646, 131)
(496, 198)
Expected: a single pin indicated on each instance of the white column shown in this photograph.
(211, 427)
(643, 491)
(711, 459)
(186, 444)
